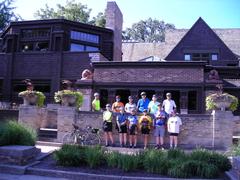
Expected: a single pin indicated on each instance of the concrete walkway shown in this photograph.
(26, 177)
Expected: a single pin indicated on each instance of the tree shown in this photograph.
(150, 30)
(71, 11)
(6, 13)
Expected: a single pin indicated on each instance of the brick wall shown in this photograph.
(164, 75)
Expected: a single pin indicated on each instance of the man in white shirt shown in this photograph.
(169, 105)
(130, 106)
(174, 123)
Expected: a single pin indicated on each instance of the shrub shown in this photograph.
(13, 133)
(112, 159)
(176, 154)
(94, 156)
(128, 162)
(191, 168)
(156, 162)
(210, 157)
(235, 150)
(70, 155)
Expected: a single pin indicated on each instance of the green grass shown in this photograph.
(13, 133)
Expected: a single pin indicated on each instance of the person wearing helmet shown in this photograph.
(107, 125)
(116, 107)
(96, 102)
(130, 106)
(143, 102)
(145, 123)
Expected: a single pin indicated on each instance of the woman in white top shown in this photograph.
(130, 106)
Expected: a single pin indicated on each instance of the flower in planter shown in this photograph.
(69, 98)
(220, 100)
(32, 97)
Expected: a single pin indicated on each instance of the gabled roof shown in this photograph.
(201, 36)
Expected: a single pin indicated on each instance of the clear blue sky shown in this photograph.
(182, 13)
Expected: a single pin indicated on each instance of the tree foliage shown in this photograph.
(6, 13)
(74, 11)
(150, 30)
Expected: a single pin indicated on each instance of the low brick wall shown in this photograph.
(196, 131)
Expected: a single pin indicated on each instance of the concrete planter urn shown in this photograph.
(69, 98)
(221, 101)
(32, 98)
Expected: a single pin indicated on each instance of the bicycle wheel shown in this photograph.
(92, 139)
(69, 138)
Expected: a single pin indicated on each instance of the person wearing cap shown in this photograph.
(96, 102)
(130, 105)
(174, 123)
(143, 102)
(121, 120)
(107, 125)
(132, 127)
(168, 104)
(159, 126)
(153, 105)
(117, 105)
(145, 123)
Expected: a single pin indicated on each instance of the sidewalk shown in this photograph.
(26, 177)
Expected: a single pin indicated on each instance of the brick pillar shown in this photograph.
(65, 118)
(222, 129)
(87, 97)
(31, 116)
(134, 94)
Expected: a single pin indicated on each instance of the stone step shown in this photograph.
(47, 133)
(49, 143)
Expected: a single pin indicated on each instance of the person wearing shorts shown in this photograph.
(116, 106)
(174, 123)
(159, 126)
(169, 105)
(145, 122)
(132, 127)
(121, 120)
(107, 125)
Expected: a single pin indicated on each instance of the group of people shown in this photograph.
(144, 116)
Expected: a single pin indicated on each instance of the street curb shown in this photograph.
(88, 176)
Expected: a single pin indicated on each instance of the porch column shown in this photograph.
(184, 102)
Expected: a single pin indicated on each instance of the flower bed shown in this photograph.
(173, 163)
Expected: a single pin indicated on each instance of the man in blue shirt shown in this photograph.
(121, 120)
(143, 102)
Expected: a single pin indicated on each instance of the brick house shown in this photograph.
(49, 51)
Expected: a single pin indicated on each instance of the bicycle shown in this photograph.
(87, 136)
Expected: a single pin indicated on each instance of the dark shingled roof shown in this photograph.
(134, 51)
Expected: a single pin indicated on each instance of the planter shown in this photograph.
(30, 100)
(68, 100)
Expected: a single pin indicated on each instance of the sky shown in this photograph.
(181, 13)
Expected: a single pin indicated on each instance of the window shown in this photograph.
(77, 47)
(192, 100)
(187, 57)
(200, 56)
(39, 85)
(82, 48)
(214, 57)
(92, 38)
(1, 86)
(35, 33)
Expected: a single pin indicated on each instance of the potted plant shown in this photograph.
(69, 98)
(32, 97)
(222, 101)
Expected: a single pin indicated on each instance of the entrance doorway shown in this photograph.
(123, 93)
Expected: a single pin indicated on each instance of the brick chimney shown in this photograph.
(114, 21)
